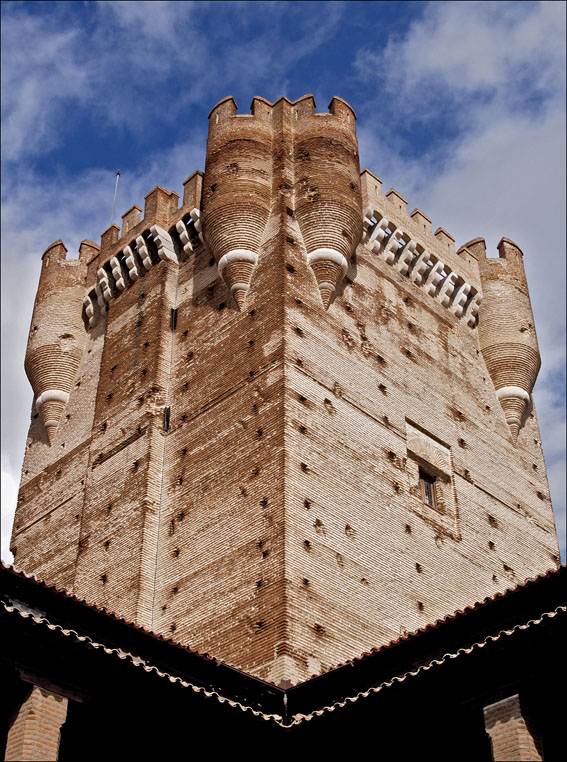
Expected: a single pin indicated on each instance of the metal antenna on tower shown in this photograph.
(115, 191)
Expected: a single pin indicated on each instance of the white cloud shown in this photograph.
(508, 50)
(155, 19)
(130, 65)
(42, 71)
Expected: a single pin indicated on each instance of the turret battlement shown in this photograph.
(302, 109)
(238, 192)
(59, 272)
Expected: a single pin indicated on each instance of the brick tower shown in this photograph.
(276, 423)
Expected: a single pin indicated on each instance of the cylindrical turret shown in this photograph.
(328, 202)
(57, 335)
(506, 330)
(237, 189)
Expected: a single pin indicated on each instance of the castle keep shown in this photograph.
(282, 421)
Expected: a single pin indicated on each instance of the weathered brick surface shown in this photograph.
(34, 733)
(273, 515)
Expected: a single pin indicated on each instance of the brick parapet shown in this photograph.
(393, 207)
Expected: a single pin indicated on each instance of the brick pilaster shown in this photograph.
(511, 738)
(34, 734)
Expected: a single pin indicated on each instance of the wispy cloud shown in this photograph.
(42, 73)
(485, 50)
(130, 66)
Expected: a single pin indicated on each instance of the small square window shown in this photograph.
(428, 489)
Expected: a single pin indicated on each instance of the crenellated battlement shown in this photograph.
(303, 108)
(405, 243)
(334, 204)
(161, 209)
(403, 240)
(141, 253)
(58, 272)
(57, 252)
(441, 243)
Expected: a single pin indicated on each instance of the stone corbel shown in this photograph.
(90, 311)
(418, 268)
(406, 257)
(472, 310)
(389, 250)
(196, 217)
(460, 299)
(433, 278)
(164, 244)
(447, 288)
(130, 260)
(104, 283)
(143, 252)
(117, 274)
(181, 228)
(378, 232)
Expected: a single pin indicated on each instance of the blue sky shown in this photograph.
(460, 107)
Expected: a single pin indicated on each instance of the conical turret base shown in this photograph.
(329, 267)
(240, 297)
(50, 414)
(326, 294)
(236, 269)
(50, 406)
(514, 402)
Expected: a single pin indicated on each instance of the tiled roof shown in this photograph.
(413, 654)
(297, 718)
(135, 660)
(106, 612)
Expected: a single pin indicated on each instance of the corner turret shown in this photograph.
(506, 330)
(236, 189)
(328, 200)
(57, 336)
